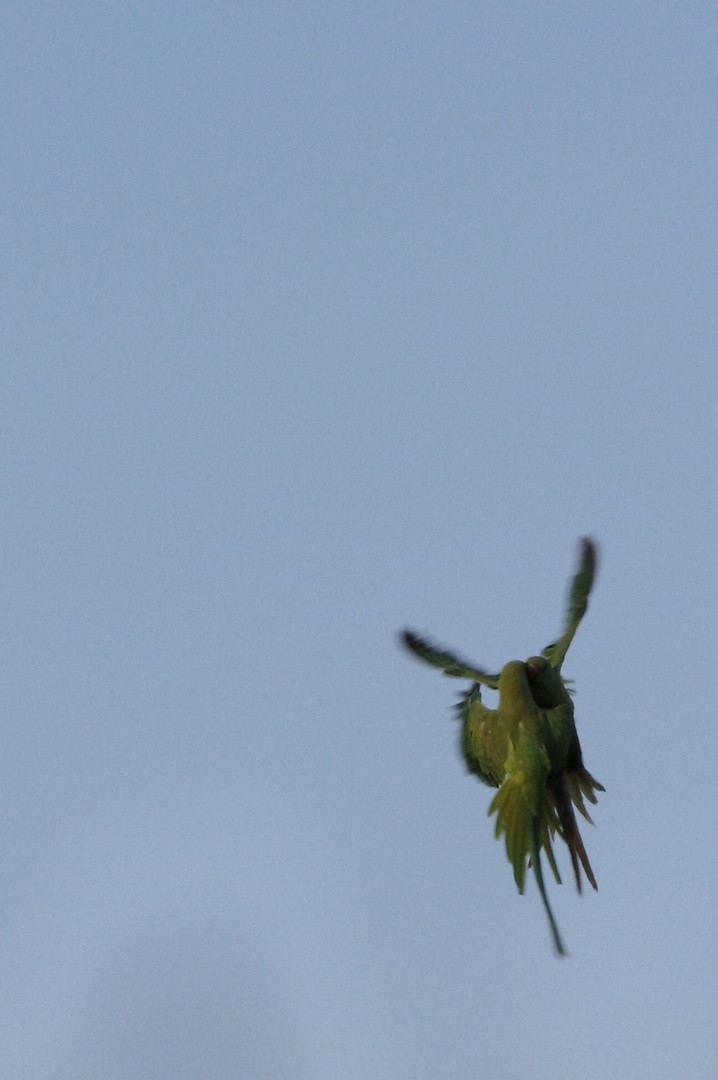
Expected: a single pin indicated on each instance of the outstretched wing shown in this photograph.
(577, 603)
(448, 662)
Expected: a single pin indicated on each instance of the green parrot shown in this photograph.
(528, 747)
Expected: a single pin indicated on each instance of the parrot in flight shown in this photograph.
(528, 747)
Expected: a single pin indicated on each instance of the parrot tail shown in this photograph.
(536, 860)
(569, 831)
(526, 833)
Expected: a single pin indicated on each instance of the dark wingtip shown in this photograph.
(589, 549)
(411, 641)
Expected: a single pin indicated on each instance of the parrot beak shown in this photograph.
(531, 671)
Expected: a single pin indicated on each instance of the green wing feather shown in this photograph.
(482, 746)
(448, 662)
(577, 603)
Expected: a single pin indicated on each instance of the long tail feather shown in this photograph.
(536, 860)
(526, 832)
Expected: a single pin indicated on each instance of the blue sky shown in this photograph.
(321, 320)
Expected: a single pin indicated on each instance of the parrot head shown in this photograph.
(547, 687)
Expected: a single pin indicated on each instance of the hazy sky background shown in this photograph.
(322, 319)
